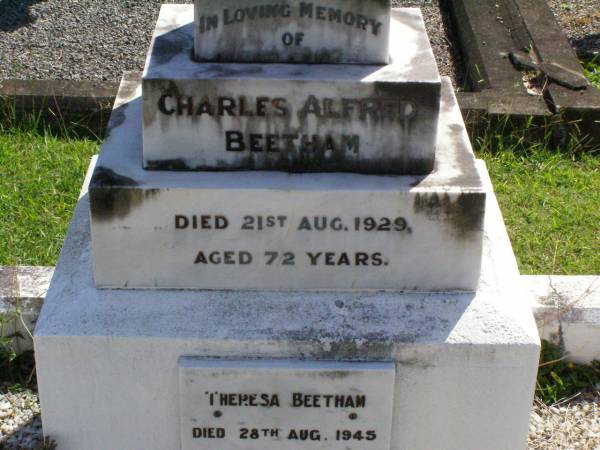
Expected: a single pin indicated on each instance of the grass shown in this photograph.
(591, 68)
(40, 177)
(550, 201)
(558, 379)
(549, 198)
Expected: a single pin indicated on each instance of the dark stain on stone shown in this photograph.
(115, 196)
(465, 214)
(334, 374)
(153, 89)
(303, 56)
(176, 164)
(117, 118)
(421, 93)
(371, 347)
(315, 162)
(107, 203)
(104, 177)
(327, 56)
(415, 362)
(9, 285)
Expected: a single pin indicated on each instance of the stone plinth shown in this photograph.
(273, 230)
(297, 118)
(108, 361)
(330, 31)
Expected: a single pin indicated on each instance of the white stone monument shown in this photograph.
(286, 255)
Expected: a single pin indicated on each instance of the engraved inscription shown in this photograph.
(303, 10)
(303, 224)
(291, 404)
(377, 109)
(276, 114)
(283, 31)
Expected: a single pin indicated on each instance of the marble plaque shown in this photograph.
(274, 230)
(292, 31)
(290, 117)
(292, 405)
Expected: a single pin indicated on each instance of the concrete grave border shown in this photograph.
(489, 31)
(566, 308)
(61, 102)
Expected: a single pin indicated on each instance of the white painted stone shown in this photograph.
(293, 31)
(108, 360)
(137, 244)
(297, 118)
(567, 311)
(22, 292)
(558, 303)
(273, 404)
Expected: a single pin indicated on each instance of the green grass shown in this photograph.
(591, 68)
(550, 201)
(558, 379)
(40, 178)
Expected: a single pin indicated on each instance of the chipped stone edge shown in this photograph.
(566, 308)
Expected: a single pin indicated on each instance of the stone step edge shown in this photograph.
(566, 308)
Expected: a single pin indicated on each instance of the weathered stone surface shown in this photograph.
(288, 117)
(465, 362)
(292, 31)
(567, 311)
(9, 286)
(272, 230)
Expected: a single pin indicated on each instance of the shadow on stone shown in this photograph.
(16, 14)
(589, 44)
(459, 69)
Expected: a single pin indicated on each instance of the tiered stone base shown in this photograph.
(292, 117)
(108, 360)
(220, 230)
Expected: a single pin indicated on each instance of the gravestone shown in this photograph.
(271, 252)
